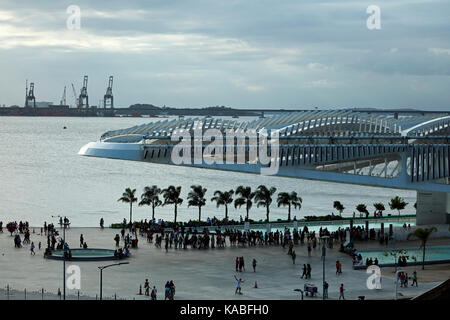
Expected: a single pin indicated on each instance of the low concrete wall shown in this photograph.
(443, 231)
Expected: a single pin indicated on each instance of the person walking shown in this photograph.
(308, 271)
(237, 264)
(341, 291)
(32, 249)
(414, 278)
(304, 274)
(254, 265)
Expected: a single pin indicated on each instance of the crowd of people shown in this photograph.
(183, 237)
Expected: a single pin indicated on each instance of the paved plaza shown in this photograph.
(197, 274)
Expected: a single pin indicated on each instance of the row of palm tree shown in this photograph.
(396, 203)
(262, 196)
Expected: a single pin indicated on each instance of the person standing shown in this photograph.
(309, 249)
(341, 292)
(81, 241)
(117, 239)
(102, 222)
(32, 249)
(325, 290)
(414, 278)
(237, 264)
(293, 256)
(308, 271)
(167, 291)
(147, 287)
(153, 294)
(254, 265)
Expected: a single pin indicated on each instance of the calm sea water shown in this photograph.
(41, 175)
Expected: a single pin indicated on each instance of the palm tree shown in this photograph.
(339, 207)
(379, 207)
(263, 197)
(223, 199)
(362, 208)
(397, 203)
(245, 197)
(196, 198)
(422, 234)
(289, 199)
(171, 195)
(150, 196)
(129, 197)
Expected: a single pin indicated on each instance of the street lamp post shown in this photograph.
(324, 252)
(101, 275)
(64, 224)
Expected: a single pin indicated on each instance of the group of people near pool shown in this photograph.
(182, 237)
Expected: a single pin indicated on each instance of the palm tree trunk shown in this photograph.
(153, 212)
(131, 215)
(247, 212)
(199, 214)
(175, 220)
(226, 212)
(289, 212)
(267, 213)
(423, 258)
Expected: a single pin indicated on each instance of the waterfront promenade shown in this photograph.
(197, 274)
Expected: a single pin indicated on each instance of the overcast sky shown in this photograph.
(238, 53)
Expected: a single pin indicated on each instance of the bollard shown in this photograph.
(25, 293)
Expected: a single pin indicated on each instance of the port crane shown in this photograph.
(29, 95)
(108, 99)
(83, 99)
(63, 98)
(75, 95)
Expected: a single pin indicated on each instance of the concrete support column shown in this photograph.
(432, 207)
